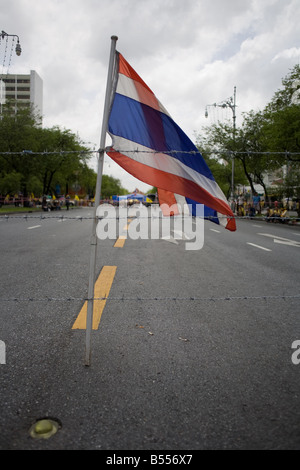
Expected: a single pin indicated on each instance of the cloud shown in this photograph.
(291, 53)
(191, 53)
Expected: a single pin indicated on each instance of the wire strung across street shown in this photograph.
(157, 299)
(24, 218)
(110, 149)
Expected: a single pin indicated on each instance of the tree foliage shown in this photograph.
(267, 140)
(44, 160)
(36, 159)
(111, 186)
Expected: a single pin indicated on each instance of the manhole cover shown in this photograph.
(44, 428)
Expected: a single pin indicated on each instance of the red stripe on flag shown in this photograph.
(173, 183)
(167, 201)
(126, 69)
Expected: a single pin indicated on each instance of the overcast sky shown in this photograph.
(191, 53)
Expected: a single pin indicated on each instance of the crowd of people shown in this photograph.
(257, 205)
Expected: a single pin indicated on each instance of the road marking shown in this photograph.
(35, 226)
(214, 230)
(179, 235)
(287, 242)
(258, 246)
(271, 236)
(276, 239)
(169, 238)
(120, 242)
(101, 290)
(258, 226)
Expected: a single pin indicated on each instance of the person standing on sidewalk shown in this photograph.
(68, 202)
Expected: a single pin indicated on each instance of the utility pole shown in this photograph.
(229, 103)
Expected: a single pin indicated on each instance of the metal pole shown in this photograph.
(234, 128)
(231, 103)
(89, 319)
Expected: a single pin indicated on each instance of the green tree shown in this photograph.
(10, 183)
(42, 156)
(282, 131)
(87, 178)
(289, 94)
(63, 158)
(111, 186)
(282, 117)
(267, 140)
(218, 147)
(152, 190)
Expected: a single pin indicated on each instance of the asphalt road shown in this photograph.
(193, 350)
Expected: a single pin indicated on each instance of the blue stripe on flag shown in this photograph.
(209, 213)
(155, 130)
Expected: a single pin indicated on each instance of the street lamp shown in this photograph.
(18, 47)
(229, 103)
(2, 85)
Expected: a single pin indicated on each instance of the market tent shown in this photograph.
(139, 197)
(134, 196)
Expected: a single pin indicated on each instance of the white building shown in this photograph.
(23, 90)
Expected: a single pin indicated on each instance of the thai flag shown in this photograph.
(148, 144)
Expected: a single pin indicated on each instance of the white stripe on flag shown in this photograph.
(166, 163)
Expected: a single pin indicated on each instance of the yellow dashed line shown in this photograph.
(120, 242)
(102, 289)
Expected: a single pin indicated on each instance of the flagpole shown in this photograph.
(89, 318)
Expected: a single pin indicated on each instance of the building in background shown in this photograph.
(23, 90)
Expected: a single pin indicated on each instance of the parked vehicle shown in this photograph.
(49, 204)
